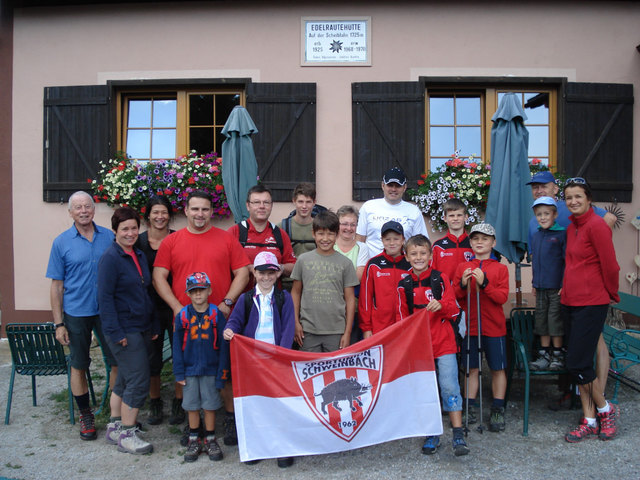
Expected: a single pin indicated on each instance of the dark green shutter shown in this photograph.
(388, 130)
(76, 138)
(597, 141)
(285, 145)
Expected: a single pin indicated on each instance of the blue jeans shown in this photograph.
(448, 383)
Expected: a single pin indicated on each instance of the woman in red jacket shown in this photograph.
(590, 285)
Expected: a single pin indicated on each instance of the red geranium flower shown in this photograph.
(219, 188)
(420, 182)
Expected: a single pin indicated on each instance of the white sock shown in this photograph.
(591, 421)
(604, 409)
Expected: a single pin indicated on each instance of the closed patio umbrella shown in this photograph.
(509, 202)
(239, 166)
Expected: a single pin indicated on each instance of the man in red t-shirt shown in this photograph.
(201, 247)
(257, 234)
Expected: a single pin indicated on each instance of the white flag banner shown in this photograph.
(291, 403)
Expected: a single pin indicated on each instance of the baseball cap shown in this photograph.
(485, 228)
(197, 280)
(542, 177)
(266, 261)
(545, 201)
(392, 225)
(394, 175)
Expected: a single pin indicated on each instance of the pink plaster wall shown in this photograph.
(593, 42)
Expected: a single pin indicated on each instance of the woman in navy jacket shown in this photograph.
(126, 312)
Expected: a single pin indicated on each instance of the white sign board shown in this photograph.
(336, 41)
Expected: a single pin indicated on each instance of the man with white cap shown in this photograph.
(375, 213)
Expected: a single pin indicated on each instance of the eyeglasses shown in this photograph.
(576, 180)
(266, 203)
(352, 225)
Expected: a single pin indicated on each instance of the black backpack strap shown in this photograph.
(278, 295)
(243, 232)
(277, 234)
(436, 284)
(407, 284)
(248, 303)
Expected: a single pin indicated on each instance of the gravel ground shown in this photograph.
(40, 443)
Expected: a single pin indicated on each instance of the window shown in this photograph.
(460, 121)
(85, 125)
(157, 125)
(578, 129)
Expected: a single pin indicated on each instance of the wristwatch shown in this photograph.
(228, 302)
(58, 325)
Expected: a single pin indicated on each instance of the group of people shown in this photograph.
(318, 281)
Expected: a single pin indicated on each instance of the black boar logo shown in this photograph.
(343, 389)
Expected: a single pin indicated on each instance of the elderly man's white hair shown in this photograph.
(80, 194)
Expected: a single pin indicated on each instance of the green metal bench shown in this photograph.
(35, 351)
(522, 321)
(624, 345)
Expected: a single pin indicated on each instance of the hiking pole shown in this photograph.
(480, 427)
(466, 388)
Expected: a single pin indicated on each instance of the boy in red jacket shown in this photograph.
(490, 278)
(378, 302)
(427, 288)
(454, 248)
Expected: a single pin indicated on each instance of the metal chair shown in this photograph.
(35, 351)
(521, 322)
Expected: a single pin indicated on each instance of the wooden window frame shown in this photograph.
(182, 110)
(488, 89)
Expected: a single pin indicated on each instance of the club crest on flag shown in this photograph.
(342, 391)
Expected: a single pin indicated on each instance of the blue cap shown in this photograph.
(545, 201)
(542, 177)
(393, 226)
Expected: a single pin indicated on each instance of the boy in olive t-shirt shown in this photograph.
(323, 291)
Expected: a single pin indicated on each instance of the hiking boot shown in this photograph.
(460, 447)
(87, 425)
(177, 412)
(542, 362)
(557, 361)
(155, 412)
(431, 445)
(285, 462)
(230, 432)
(113, 432)
(496, 424)
(581, 432)
(608, 428)
(186, 431)
(130, 442)
(212, 449)
(472, 416)
(194, 447)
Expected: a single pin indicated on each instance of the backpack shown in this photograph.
(278, 296)
(243, 233)
(435, 282)
(286, 223)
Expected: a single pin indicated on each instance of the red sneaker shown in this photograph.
(87, 426)
(582, 432)
(608, 428)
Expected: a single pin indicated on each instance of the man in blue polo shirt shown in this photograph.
(73, 270)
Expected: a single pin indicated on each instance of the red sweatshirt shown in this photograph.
(443, 339)
(378, 300)
(493, 295)
(449, 252)
(591, 269)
